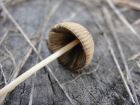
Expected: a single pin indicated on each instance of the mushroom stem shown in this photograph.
(37, 67)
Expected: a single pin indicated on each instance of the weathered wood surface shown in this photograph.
(101, 84)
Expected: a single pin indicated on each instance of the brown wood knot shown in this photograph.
(82, 54)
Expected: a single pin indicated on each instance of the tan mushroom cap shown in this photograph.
(64, 33)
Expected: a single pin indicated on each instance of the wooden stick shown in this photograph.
(37, 67)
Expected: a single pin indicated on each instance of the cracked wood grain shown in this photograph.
(102, 87)
(17, 70)
(119, 68)
(113, 31)
(28, 40)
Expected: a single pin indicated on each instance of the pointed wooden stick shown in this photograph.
(37, 67)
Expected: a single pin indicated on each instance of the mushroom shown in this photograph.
(70, 42)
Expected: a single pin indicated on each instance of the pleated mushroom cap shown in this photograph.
(79, 56)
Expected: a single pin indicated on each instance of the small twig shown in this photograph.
(122, 18)
(12, 2)
(129, 77)
(135, 56)
(128, 3)
(4, 76)
(119, 68)
(11, 56)
(4, 36)
(6, 56)
(138, 63)
(116, 62)
(22, 63)
(136, 22)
